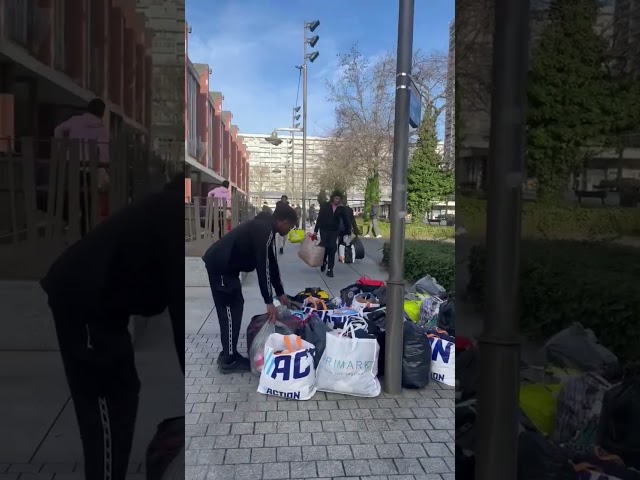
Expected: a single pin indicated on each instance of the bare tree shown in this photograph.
(363, 95)
(258, 181)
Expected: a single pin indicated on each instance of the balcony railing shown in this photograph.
(44, 199)
(208, 219)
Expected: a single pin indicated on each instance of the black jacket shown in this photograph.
(132, 264)
(331, 221)
(248, 247)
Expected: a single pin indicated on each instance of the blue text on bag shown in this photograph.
(440, 347)
(281, 364)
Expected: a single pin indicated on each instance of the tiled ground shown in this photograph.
(56, 471)
(235, 433)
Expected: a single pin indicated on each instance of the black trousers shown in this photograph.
(329, 239)
(226, 290)
(99, 363)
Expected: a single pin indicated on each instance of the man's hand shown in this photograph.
(272, 313)
(284, 300)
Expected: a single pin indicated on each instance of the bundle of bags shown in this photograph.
(580, 417)
(334, 344)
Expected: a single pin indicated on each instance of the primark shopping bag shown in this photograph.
(288, 369)
(349, 364)
(443, 361)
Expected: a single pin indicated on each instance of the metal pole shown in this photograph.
(394, 323)
(304, 131)
(499, 345)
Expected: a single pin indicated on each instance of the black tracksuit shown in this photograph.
(331, 225)
(128, 265)
(250, 246)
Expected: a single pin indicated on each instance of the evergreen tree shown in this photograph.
(428, 180)
(371, 194)
(570, 98)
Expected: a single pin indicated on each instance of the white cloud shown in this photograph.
(243, 52)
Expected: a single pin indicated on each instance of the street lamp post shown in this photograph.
(395, 285)
(311, 57)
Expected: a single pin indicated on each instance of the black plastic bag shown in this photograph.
(416, 357)
(447, 317)
(165, 447)
(381, 294)
(619, 428)
(539, 459)
(357, 244)
(315, 332)
(375, 327)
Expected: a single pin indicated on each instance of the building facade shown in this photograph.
(56, 55)
(214, 150)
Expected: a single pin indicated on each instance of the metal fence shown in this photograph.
(49, 195)
(208, 219)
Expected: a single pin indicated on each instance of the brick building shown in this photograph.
(214, 149)
(55, 55)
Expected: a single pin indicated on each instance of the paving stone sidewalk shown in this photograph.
(235, 433)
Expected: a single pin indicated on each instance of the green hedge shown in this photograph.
(594, 283)
(569, 222)
(413, 231)
(423, 257)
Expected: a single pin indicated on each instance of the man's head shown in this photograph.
(96, 107)
(284, 199)
(285, 219)
(336, 197)
(225, 183)
(265, 203)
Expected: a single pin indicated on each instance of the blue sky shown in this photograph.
(253, 46)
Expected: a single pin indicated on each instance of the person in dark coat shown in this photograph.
(333, 220)
(131, 264)
(373, 225)
(248, 247)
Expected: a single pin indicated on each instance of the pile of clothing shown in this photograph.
(580, 417)
(337, 344)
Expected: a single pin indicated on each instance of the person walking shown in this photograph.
(373, 224)
(282, 241)
(87, 127)
(332, 220)
(266, 208)
(312, 215)
(248, 247)
(128, 265)
(299, 213)
(222, 195)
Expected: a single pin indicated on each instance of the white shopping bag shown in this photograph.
(443, 361)
(311, 252)
(349, 365)
(288, 368)
(363, 301)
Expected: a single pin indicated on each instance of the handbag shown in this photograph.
(349, 365)
(367, 284)
(288, 369)
(296, 236)
(311, 252)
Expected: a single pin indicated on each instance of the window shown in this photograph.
(58, 32)
(192, 95)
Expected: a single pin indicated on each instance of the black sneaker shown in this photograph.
(221, 358)
(329, 273)
(281, 250)
(323, 267)
(235, 364)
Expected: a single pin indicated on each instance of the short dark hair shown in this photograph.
(286, 213)
(284, 197)
(225, 183)
(336, 193)
(96, 107)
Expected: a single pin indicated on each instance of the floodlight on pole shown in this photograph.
(313, 40)
(312, 25)
(297, 117)
(313, 56)
(296, 109)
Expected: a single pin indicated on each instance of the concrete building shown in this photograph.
(165, 19)
(214, 151)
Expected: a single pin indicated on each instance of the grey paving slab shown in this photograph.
(331, 436)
